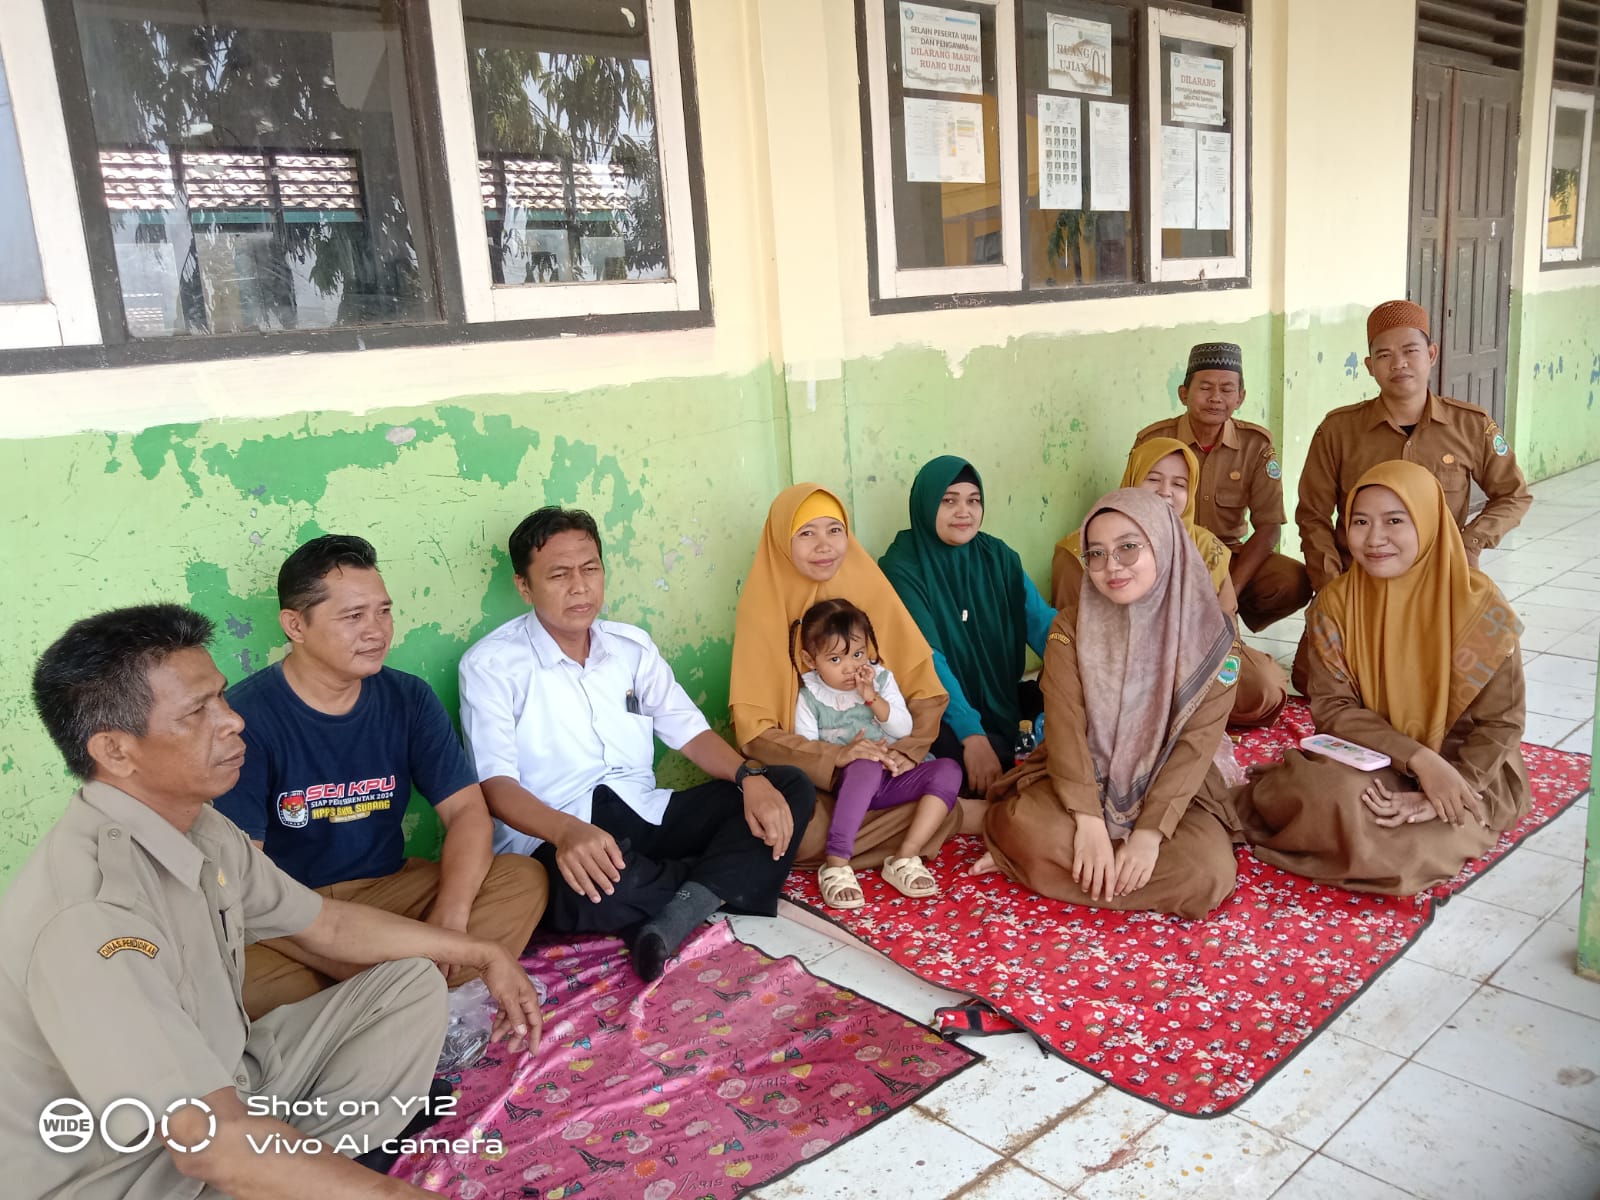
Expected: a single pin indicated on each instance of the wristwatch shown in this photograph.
(749, 767)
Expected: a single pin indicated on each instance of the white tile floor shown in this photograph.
(1470, 1069)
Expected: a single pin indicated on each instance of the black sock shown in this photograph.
(659, 938)
(382, 1161)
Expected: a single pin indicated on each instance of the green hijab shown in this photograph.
(968, 600)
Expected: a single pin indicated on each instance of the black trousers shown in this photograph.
(703, 838)
(1030, 701)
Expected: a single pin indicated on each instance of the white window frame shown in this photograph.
(895, 282)
(68, 315)
(484, 301)
(1215, 31)
(1584, 103)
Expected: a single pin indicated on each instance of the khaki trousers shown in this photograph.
(509, 904)
(1279, 588)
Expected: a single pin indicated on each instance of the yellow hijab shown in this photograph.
(1421, 646)
(1141, 458)
(762, 691)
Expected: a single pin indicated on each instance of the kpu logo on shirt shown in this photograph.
(353, 801)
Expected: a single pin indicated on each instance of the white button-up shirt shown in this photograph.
(562, 728)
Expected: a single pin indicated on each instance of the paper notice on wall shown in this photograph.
(1214, 180)
(941, 49)
(1080, 54)
(944, 141)
(1110, 187)
(1177, 177)
(1196, 89)
(1060, 147)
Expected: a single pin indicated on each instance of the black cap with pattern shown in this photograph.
(1214, 356)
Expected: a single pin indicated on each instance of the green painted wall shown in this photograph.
(1556, 370)
(679, 473)
(676, 472)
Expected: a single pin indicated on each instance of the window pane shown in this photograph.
(944, 133)
(568, 158)
(20, 276)
(1198, 142)
(1566, 164)
(1591, 209)
(1077, 63)
(258, 163)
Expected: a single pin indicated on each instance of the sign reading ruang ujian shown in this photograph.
(1080, 55)
(941, 50)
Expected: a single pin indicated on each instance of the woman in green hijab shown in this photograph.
(980, 612)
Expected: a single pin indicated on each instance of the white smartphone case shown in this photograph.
(1352, 755)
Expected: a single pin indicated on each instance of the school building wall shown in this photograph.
(191, 482)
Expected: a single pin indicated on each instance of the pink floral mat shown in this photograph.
(728, 1072)
(1190, 1015)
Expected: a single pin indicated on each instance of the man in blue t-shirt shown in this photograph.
(335, 742)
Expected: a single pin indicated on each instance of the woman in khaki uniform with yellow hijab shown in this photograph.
(1125, 807)
(807, 554)
(1414, 654)
(1169, 468)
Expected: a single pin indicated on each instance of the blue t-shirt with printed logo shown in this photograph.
(325, 795)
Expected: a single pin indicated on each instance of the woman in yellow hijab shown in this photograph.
(1414, 654)
(1167, 467)
(807, 554)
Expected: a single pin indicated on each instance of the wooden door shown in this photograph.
(1463, 193)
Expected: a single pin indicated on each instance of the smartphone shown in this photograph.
(1348, 753)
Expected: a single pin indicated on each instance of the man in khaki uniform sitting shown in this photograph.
(1458, 442)
(1239, 473)
(122, 949)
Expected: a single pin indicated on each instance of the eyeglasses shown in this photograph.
(1126, 555)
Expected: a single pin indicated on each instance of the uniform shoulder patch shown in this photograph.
(1229, 675)
(117, 945)
(1057, 636)
(1500, 446)
(1274, 471)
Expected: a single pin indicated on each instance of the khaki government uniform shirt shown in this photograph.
(1239, 474)
(121, 959)
(1458, 442)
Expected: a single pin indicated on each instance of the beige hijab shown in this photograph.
(1146, 666)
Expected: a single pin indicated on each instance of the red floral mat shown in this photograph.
(727, 1073)
(1189, 1015)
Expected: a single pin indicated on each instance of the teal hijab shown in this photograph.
(967, 600)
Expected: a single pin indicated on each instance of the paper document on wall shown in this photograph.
(941, 49)
(1080, 54)
(1197, 89)
(1110, 188)
(1177, 177)
(944, 141)
(1060, 145)
(1214, 180)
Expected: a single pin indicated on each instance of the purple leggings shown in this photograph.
(866, 784)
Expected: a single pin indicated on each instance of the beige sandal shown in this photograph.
(909, 877)
(836, 883)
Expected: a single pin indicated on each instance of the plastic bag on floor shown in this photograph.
(472, 1012)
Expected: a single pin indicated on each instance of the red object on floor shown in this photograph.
(725, 1074)
(1189, 1015)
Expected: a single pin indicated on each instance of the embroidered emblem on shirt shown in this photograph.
(1500, 446)
(1229, 675)
(117, 945)
(1274, 471)
(1060, 637)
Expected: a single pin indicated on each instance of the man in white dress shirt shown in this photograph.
(561, 711)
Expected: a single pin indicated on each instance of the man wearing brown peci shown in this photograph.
(1456, 441)
(1239, 474)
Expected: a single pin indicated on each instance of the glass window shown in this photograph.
(1567, 154)
(21, 278)
(258, 163)
(944, 133)
(569, 162)
(1077, 64)
(1196, 150)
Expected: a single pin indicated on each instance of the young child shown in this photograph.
(848, 699)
